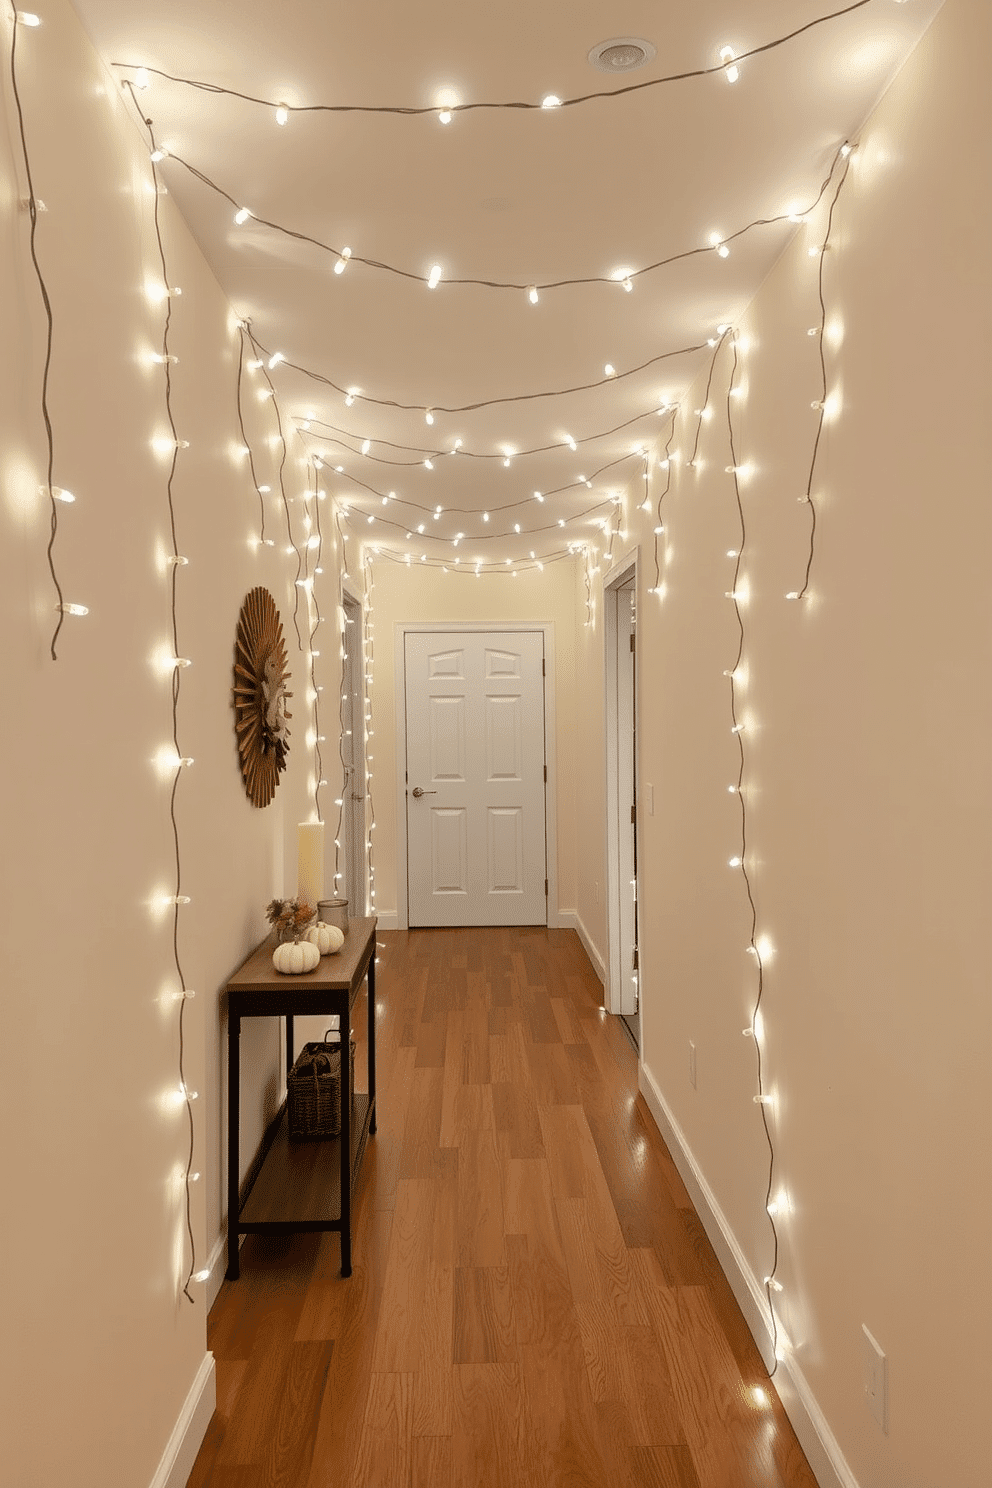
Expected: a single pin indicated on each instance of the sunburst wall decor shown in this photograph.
(260, 694)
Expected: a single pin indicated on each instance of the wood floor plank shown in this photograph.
(534, 1301)
(480, 1228)
(289, 1448)
(483, 1316)
(488, 1446)
(431, 1466)
(385, 1449)
(398, 1335)
(433, 1382)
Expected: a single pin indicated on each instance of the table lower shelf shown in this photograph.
(298, 1185)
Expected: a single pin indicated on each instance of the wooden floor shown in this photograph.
(534, 1301)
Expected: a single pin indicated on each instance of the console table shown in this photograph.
(300, 1185)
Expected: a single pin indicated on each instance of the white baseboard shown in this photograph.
(217, 1266)
(822, 1450)
(570, 919)
(190, 1429)
(388, 919)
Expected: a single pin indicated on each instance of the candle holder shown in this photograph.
(334, 912)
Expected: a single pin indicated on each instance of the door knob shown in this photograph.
(418, 792)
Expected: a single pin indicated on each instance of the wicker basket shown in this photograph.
(313, 1090)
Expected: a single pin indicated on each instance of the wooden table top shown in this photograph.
(340, 972)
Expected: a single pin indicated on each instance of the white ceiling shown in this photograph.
(526, 196)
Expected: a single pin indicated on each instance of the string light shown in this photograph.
(549, 101)
(731, 72)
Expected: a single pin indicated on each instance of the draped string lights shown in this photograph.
(757, 947)
(717, 245)
(368, 722)
(56, 495)
(263, 362)
(821, 404)
(314, 544)
(728, 66)
(180, 762)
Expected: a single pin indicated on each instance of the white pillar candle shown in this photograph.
(310, 862)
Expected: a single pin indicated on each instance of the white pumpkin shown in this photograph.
(327, 938)
(295, 956)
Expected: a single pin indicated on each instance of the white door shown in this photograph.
(475, 778)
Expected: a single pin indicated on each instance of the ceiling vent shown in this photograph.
(622, 54)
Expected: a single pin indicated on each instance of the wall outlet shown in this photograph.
(875, 1373)
(692, 1064)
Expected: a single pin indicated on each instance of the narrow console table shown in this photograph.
(300, 1185)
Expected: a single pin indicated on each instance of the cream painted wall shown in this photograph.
(400, 593)
(96, 1334)
(867, 786)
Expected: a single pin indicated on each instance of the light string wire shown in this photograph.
(466, 565)
(582, 387)
(176, 693)
(32, 206)
(243, 339)
(306, 426)
(538, 499)
(317, 620)
(666, 463)
(753, 947)
(846, 152)
(368, 729)
(347, 771)
(281, 476)
(456, 108)
(624, 280)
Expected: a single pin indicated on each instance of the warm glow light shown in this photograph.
(434, 278)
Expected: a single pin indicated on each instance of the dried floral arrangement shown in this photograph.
(289, 917)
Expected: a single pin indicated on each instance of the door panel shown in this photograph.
(449, 850)
(506, 854)
(475, 751)
(447, 738)
(503, 739)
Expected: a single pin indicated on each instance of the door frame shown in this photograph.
(401, 629)
(617, 578)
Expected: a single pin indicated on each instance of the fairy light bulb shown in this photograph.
(157, 155)
(551, 101)
(434, 278)
(282, 114)
(731, 72)
(571, 442)
(366, 446)
(610, 370)
(73, 609)
(58, 494)
(28, 18)
(142, 78)
(428, 416)
(275, 359)
(241, 216)
(532, 294)
(444, 116)
(342, 262)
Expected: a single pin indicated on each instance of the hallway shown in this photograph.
(534, 1300)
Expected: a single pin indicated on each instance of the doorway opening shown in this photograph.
(620, 615)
